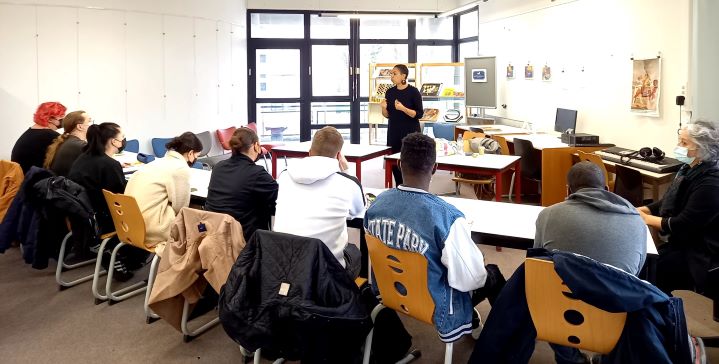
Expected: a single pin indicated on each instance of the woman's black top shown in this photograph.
(400, 124)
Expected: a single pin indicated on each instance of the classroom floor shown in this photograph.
(42, 324)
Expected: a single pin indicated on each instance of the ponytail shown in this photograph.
(69, 123)
(98, 136)
(52, 150)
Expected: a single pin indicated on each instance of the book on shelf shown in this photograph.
(383, 72)
(430, 114)
(430, 89)
(382, 89)
(448, 92)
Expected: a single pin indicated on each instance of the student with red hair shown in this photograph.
(31, 147)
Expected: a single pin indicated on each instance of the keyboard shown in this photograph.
(631, 158)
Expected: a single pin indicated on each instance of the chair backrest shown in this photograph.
(469, 135)
(127, 218)
(563, 320)
(531, 161)
(629, 184)
(224, 136)
(591, 157)
(401, 277)
(206, 140)
(253, 126)
(133, 145)
(503, 146)
(443, 130)
(158, 146)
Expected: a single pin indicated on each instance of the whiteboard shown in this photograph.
(481, 92)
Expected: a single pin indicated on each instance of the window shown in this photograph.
(324, 113)
(271, 25)
(435, 28)
(434, 54)
(383, 28)
(278, 121)
(281, 70)
(379, 53)
(330, 70)
(468, 49)
(325, 27)
(263, 86)
(468, 25)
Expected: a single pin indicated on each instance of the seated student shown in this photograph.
(95, 170)
(595, 223)
(410, 218)
(31, 147)
(242, 189)
(162, 187)
(63, 151)
(316, 198)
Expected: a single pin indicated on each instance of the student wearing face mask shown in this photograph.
(65, 149)
(241, 188)
(30, 148)
(162, 187)
(688, 214)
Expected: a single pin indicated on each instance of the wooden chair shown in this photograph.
(561, 319)
(473, 180)
(504, 150)
(591, 157)
(130, 230)
(63, 267)
(393, 268)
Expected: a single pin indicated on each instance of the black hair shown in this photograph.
(403, 70)
(98, 136)
(242, 139)
(418, 154)
(184, 143)
(585, 175)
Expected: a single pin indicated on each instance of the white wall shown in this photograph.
(158, 68)
(598, 37)
(705, 58)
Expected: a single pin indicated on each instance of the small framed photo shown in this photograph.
(510, 71)
(546, 73)
(529, 72)
(479, 75)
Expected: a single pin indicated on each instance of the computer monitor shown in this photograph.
(566, 119)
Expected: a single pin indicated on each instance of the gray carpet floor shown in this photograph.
(41, 324)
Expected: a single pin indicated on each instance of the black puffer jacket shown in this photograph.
(290, 297)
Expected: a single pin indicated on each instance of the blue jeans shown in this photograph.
(568, 355)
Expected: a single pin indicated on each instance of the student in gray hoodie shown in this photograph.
(595, 223)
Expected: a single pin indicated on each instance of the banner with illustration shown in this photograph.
(646, 82)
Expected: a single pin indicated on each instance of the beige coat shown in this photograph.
(12, 178)
(203, 247)
(161, 189)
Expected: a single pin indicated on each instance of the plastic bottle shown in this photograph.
(460, 144)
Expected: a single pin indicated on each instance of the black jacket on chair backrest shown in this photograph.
(290, 297)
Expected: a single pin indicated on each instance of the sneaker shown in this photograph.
(476, 324)
(122, 272)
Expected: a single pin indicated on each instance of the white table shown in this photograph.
(503, 224)
(486, 164)
(539, 141)
(495, 129)
(355, 153)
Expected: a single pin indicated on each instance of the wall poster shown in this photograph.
(646, 82)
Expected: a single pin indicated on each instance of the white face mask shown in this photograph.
(680, 153)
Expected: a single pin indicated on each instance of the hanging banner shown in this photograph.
(646, 79)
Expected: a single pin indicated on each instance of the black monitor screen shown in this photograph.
(566, 119)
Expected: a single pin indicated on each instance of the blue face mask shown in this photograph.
(680, 153)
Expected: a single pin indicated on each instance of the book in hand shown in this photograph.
(430, 89)
(430, 114)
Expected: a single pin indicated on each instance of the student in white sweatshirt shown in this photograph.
(162, 187)
(316, 198)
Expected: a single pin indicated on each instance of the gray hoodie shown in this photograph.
(597, 224)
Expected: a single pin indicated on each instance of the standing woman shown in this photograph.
(402, 106)
(61, 154)
(162, 187)
(688, 214)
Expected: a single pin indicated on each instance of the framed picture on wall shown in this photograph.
(479, 75)
(546, 73)
(510, 71)
(528, 72)
(646, 78)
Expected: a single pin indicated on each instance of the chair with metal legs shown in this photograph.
(62, 266)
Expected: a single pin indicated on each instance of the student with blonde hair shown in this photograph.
(63, 151)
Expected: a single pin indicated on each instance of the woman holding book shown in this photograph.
(402, 107)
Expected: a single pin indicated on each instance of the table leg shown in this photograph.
(388, 174)
(498, 186)
(358, 170)
(518, 181)
(274, 164)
